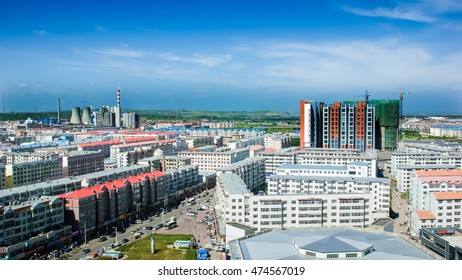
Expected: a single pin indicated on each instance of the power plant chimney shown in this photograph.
(59, 110)
(75, 117)
(118, 113)
(86, 115)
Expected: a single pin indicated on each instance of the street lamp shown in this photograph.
(163, 213)
(115, 233)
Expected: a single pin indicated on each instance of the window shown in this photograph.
(332, 256)
(352, 255)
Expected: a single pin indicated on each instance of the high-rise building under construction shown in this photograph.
(351, 125)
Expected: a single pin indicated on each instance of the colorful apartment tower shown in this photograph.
(310, 125)
(350, 125)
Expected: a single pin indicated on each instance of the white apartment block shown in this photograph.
(447, 207)
(427, 181)
(291, 185)
(263, 212)
(351, 169)
(319, 156)
(164, 145)
(16, 158)
(274, 159)
(338, 157)
(33, 172)
(405, 174)
(199, 141)
(421, 219)
(251, 171)
(276, 141)
(212, 161)
(402, 159)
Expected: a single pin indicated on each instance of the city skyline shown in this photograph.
(230, 55)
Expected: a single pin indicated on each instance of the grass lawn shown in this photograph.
(141, 249)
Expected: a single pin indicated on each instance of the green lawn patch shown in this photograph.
(141, 249)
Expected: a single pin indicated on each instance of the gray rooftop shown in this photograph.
(241, 163)
(331, 178)
(233, 183)
(58, 182)
(427, 166)
(113, 171)
(277, 244)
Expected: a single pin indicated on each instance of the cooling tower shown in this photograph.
(75, 117)
(86, 115)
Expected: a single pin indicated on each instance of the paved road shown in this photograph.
(186, 225)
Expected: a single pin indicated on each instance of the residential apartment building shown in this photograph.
(405, 174)
(82, 162)
(425, 182)
(36, 225)
(447, 207)
(165, 163)
(91, 210)
(17, 158)
(379, 188)
(319, 156)
(37, 190)
(105, 176)
(238, 205)
(131, 120)
(33, 172)
(251, 171)
(2, 176)
(211, 161)
(421, 219)
(351, 169)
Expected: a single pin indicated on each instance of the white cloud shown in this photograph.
(205, 60)
(120, 53)
(40, 32)
(375, 65)
(396, 13)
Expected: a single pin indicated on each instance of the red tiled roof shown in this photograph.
(425, 214)
(426, 173)
(447, 195)
(110, 185)
(100, 143)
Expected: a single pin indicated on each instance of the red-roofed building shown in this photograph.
(421, 219)
(100, 145)
(119, 202)
(447, 208)
(428, 181)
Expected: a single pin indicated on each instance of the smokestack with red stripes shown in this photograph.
(118, 110)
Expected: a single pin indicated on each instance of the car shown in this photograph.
(102, 238)
(113, 234)
(122, 230)
(86, 251)
(160, 225)
(149, 228)
(218, 249)
(125, 240)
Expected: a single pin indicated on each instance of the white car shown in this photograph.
(189, 214)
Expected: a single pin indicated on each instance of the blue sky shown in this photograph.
(230, 55)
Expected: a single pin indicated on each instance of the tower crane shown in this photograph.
(365, 95)
(401, 98)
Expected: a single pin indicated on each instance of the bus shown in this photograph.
(170, 224)
(191, 201)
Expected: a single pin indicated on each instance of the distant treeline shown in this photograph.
(173, 115)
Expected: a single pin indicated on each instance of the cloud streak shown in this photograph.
(395, 13)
